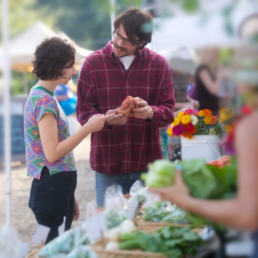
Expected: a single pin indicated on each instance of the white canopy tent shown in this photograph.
(177, 38)
(22, 47)
(196, 31)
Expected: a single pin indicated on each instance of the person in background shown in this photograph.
(191, 94)
(121, 151)
(49, 156)
(206, 83)
(66, 98)
(181, 83)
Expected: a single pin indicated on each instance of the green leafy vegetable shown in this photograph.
(157, 212)
(204, 182)
(160, 174)
(174, 242)
(114, 219)
(178, 217)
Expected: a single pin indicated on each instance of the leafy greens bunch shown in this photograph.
(204, 181)
(174, 242)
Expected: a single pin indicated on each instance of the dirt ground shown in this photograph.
(22, 217)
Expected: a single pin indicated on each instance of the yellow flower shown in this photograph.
(212, 131)
(170, 131)
(190, 137)
(186, 119)
(207, 120)
(225, 114)
(176, 121)
(181, 114)
(200, 113)
(228, 128)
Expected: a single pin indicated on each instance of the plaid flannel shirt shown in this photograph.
(104, 84)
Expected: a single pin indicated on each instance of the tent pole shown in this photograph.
(113, 15)
(26, 84)
(7, 118)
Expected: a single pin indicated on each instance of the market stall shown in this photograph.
(139, 224)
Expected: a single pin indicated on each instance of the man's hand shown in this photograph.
(76, 212)
(118, 119)
(144, 111)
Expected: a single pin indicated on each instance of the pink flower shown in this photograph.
(177, 130)
(188, 112)
(195, 111)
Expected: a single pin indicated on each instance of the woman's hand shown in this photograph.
(195, 103)
(76, 212)
(177, 194)
(117, 119)
(96, 122)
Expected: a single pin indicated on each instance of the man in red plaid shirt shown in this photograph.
(121, 151)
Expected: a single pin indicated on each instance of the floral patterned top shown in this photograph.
(41, 102)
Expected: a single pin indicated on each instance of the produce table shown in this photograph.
(162, 231)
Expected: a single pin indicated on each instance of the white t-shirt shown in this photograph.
(127, 60)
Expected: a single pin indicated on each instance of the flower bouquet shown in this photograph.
(193, 122)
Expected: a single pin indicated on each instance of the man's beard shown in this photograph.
(124, 50)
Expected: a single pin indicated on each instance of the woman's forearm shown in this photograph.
(52, 147)
(65, 147)
(231, 213)
(180, 105)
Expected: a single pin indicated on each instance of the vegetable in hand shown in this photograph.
(197, 176)
(128, 105)
(161, 174)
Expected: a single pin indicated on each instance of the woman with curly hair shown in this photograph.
(49, 156)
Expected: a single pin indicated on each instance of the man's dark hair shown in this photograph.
(137, 24)
(51, 57)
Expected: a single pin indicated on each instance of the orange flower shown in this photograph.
(190, 137)
(207, 120)
(207, 112)
(228, 128)
(193, 130)
(213, 120)
(200, 113)
(185, 134)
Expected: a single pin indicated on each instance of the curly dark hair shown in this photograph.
(51, 57)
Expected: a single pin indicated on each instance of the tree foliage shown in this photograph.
(22, 14)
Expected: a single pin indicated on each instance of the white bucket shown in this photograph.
(201, 146)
